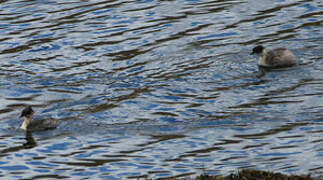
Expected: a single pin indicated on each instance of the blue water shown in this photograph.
(155, 89)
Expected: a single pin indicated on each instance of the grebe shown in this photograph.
(35, 125)
(275, 58)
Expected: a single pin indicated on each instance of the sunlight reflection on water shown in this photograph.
(159, 88)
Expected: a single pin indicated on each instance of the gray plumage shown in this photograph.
(42, 124)
(36, 125)
(275, 58)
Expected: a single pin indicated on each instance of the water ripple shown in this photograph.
(155, 89)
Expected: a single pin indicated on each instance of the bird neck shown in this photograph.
(262, 58)
(27, 121)
(264, 52)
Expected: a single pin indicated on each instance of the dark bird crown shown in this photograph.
(27, 111)
(258, 49)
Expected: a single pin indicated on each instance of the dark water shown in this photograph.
(159, 88)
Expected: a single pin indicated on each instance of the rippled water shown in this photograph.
(159, 88)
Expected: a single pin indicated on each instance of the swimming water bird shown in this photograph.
(36, 125)
(275, 58)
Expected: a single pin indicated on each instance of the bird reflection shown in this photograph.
(30, 143)
(262, 71)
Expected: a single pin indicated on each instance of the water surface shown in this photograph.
(159, 88)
